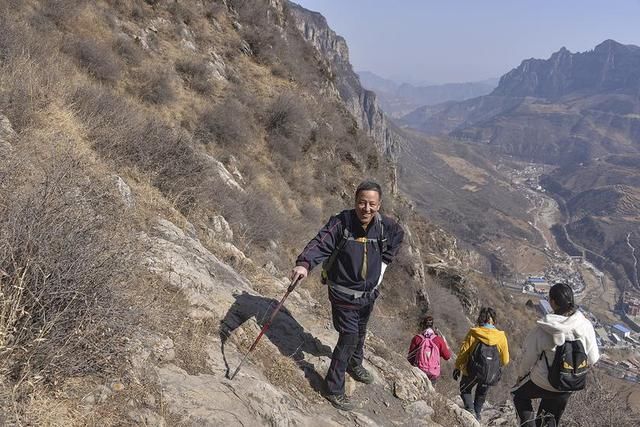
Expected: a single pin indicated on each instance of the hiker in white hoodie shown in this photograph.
(566, 323)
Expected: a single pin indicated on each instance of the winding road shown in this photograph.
(635, 260)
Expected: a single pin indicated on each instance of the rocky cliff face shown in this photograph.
(361, 103)
(610, 66)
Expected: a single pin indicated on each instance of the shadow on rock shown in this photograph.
(285, 333)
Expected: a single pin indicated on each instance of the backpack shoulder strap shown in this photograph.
(382, 238)
(346, 234)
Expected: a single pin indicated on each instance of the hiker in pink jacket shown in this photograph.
(427, 348)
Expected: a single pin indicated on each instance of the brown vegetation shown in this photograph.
(152, 113)
(67, 248)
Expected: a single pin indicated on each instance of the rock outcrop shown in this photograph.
(400, 396)
(609, 66)
(361, 103)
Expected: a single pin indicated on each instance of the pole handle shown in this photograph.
(293, 284)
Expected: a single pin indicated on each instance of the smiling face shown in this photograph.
(367, 204)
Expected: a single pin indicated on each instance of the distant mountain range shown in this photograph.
(398, 99)
(610, 67)
(579, 112)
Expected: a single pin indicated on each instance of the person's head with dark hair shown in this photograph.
(368, 200)
(487, 315)
(368, 185)
(427, 322)
(561, 299)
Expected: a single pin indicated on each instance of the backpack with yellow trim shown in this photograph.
(568, 372)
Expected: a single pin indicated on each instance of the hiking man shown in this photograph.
(427, 348)
(356, 246)
(563, 344)
(480, 360)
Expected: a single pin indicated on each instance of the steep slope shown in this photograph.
(162, 164)
(362, 103)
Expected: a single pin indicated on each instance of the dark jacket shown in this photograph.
(357, 266)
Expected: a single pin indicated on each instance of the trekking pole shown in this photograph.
(266, 325)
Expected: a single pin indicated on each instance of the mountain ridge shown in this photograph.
(578, 112)
(398, 99)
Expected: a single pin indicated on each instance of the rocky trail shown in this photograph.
(281, 382)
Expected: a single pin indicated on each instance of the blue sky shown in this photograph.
(443, 41)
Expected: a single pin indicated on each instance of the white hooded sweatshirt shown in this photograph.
(551, 331)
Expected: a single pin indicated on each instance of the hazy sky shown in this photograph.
(467, 40)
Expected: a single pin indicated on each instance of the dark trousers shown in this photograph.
(551, 406)
(466, 387)
(351, 324)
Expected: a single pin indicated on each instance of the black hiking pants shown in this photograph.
(551, 406)
(473, 405)
(351, 324)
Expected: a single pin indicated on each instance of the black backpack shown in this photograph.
(568, 372)
(484, 364)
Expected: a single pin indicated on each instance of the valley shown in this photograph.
(468, 186)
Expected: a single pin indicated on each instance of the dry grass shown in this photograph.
(62, 252)
(70, 80)
(465, 169)
(598, 405)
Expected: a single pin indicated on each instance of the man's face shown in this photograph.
(367, 204)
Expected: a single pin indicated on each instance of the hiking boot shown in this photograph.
(360, 374)
(340, 401)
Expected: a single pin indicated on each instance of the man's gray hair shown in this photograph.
(368, 185)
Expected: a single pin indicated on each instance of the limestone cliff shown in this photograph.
(362, 103)
(610, 66)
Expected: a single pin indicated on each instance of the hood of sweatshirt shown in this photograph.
(489, 336)
(563, 328)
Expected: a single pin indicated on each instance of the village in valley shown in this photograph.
(618, 331)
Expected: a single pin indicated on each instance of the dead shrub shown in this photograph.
(126, 136)
(156, 87)
(128, 50)
(214, 10)
(277, 42)
(137, 12)
(259, 29)
(253, 215)
(62, 251)
(288, 128)
(30, 70)
(196, 74)
(95, 57)
(27, 85)
(181, 12)
(285, 116)
(263, 221)
(229, 124)
(60, 11)
(598, 405)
